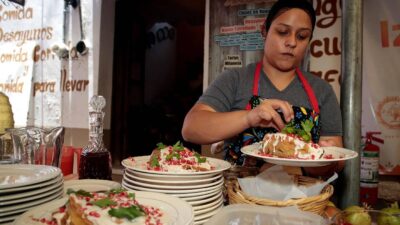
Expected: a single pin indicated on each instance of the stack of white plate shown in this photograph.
(23, 187)
(202, 190)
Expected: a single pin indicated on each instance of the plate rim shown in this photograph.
(224, 164)
(173, 181)
(53, 172)
(39, 189)
(55, 190)
(175, 187)
(104, 183)
(33, 186)
(23, 209)
(171, 191)
(55, 204)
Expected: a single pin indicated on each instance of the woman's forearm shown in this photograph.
(203, 125)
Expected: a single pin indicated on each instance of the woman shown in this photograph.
(241, 105)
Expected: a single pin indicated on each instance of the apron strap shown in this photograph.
(255, 82)
(309, 91)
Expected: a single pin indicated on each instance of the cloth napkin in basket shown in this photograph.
(275, 184)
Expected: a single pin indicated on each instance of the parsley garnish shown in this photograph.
(173, 154)
(154, 161)
(160, 146)
(116, 190)
(104, 202)
(199, 158)
(178, 146)
(304, 132)
(129, 213)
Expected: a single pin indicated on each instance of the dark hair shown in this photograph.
(290, 4)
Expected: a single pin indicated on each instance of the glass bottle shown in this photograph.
(95, 161)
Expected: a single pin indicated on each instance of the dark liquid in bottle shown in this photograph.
(95, 165)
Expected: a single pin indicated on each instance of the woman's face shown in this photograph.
(287, 39)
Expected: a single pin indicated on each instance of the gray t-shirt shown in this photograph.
(232, 90)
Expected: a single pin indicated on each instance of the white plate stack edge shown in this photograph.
(24, 186)
(202, 190)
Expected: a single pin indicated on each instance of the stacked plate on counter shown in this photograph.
(23, 187)
(201, 189)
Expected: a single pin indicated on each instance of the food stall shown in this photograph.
(49, 80)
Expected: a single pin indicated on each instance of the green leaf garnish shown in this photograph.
(173, 154)
(304, 132)
(160, 145)
(116, 190)
(132, 196)
(129, 213)
(307, 126)
(70, 191)
(289, 130)
(199, 158)
(104, 202)
(178, 146)
(154, 161)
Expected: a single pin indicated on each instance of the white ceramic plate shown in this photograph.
(8, 218)
(175, 186)
(31, 187)
(90, 185)
(53, 191)
(201, 197)
(9, 210)
(199, 222)
(176, 211)
(208, 199)
(198, 194)
(200, 209)
(187, 177)
(338, 154)
(207, 215)
(178, 180)
(139, 163)
(38, 189)
(169, 191)
(17, 175)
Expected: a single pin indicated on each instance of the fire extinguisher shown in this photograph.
(370, 169)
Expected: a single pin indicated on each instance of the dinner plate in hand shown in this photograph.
(335, 154)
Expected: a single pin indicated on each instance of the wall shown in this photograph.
(57, 89)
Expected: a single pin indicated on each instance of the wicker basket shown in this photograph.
(315, 204)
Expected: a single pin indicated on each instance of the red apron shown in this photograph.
(252, 135)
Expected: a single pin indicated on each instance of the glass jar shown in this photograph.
(95, 159)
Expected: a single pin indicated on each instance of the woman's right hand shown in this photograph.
(266, 114)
